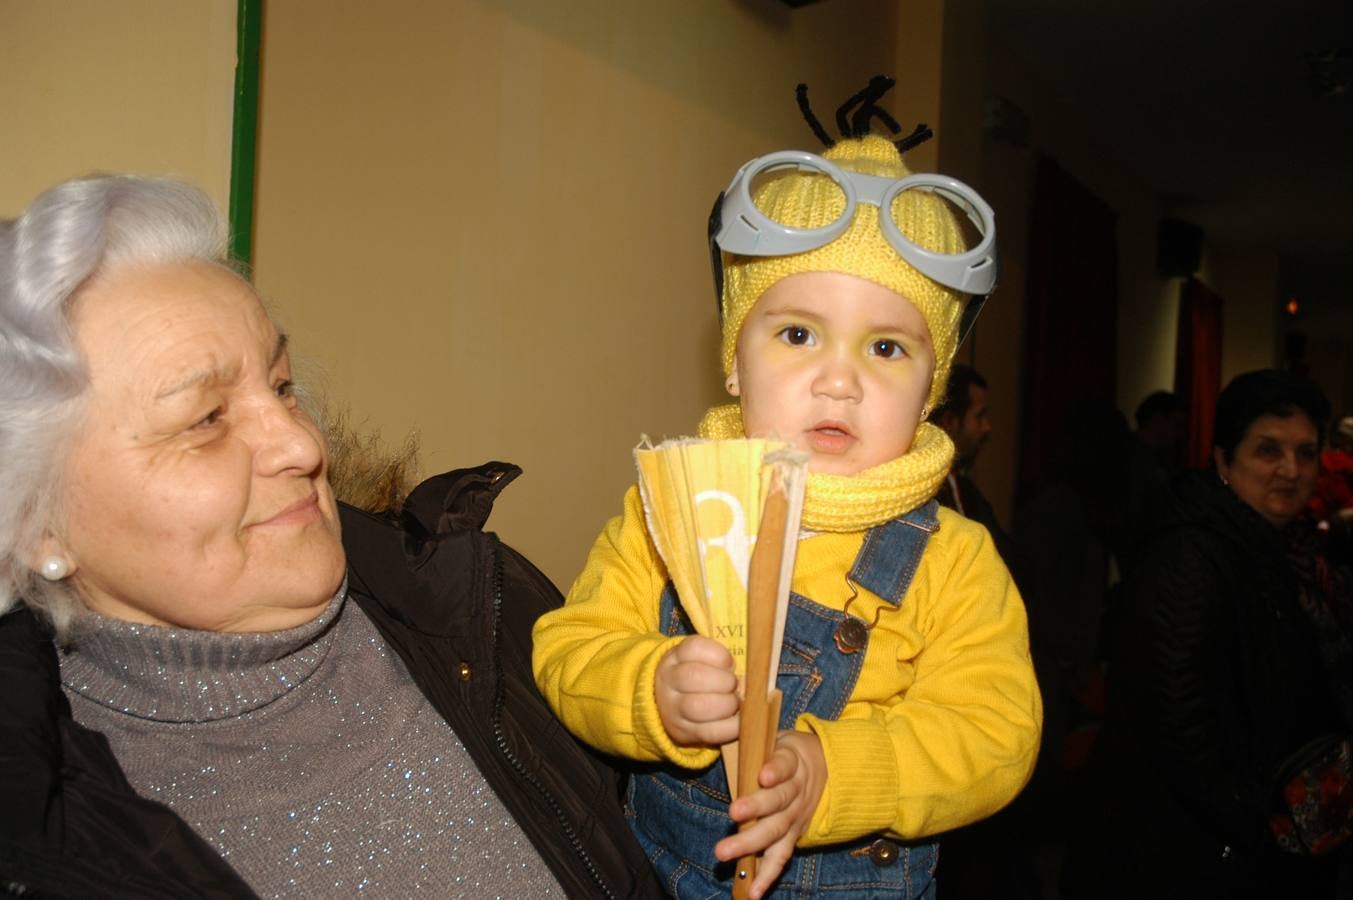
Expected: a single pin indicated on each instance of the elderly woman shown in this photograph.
(1231, 675)
(215, 679)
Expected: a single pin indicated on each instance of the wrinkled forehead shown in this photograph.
(163, 286)
(158, 323)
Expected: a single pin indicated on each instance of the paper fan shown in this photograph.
(703, 501)
(724, 516)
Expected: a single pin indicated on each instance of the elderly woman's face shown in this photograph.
(1274, 466)
(196, 491)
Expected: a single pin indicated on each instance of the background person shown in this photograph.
(1155, 458)
(1162, 424)
(215, 680)
(963, 416)
(1231, 677)
(1066, 527)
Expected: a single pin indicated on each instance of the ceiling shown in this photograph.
(1239, 111)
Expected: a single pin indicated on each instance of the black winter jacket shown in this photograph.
(452, 601)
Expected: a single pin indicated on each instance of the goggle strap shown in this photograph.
(716, 254)
(968, 320)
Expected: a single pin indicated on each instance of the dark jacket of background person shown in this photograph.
(454, 603)
(1217, 681)
(1067, 529)
(974, 505)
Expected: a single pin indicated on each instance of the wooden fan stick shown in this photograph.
(760, 712)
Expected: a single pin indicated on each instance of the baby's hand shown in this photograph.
(696, 692)
(791, 786)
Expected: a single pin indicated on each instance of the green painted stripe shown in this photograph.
(244, 132)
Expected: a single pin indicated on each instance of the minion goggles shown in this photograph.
(738, 226)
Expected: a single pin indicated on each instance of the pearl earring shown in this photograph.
(54, 568)
(925, 413)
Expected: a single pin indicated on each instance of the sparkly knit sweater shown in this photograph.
(308, 758)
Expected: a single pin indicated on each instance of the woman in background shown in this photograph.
(1231, 675)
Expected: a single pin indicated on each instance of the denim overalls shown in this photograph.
(679, 814)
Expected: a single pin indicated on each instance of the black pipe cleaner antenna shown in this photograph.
(855, 116)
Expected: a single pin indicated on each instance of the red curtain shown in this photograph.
(1197, 367)
(1071, 312)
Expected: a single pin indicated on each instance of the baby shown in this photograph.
(910, 706)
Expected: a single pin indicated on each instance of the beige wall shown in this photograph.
(138, 86)
(486, 221)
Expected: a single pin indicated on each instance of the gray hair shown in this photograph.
(71, 233)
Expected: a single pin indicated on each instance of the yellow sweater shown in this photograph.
(942, 728)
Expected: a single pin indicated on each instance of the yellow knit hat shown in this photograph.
(806, 200)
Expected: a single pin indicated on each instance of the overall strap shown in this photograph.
(672, 619)
(891, 552)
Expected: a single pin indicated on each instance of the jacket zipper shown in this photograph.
(501, 740)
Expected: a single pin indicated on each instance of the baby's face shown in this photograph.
(836, 365)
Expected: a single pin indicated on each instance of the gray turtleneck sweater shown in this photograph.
(307, 757)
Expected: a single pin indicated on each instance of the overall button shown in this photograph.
(883, 852)
(851, 636)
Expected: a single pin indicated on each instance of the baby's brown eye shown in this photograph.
(797, 335)
(887, 349)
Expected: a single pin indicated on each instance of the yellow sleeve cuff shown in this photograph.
(649, 731)
(860, 796)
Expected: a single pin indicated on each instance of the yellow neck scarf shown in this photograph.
(865, 499)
